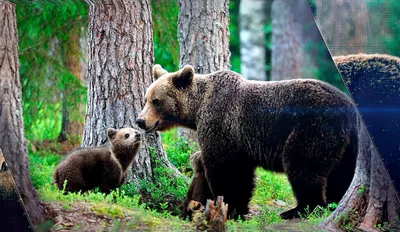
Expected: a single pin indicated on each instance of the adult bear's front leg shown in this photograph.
(231, 178)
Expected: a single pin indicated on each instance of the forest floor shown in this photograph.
(83, 216)
(124, 209)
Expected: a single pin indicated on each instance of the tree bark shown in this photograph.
(120, 59)
(203, 35)
(12, 139)
(253, 16)
(71, 126)
(288, 59)
(343, 25)
(371, 197)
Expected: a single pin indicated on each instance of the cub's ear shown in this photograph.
(111, 133)
(184, 77)
(158, 71)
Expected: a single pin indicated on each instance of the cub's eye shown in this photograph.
(126, 136)
(155, 102)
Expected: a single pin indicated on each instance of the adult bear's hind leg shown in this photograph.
(232, 179)
(308, 158)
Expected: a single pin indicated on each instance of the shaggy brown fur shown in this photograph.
(13, 216)
(104, 167)
(305, 128)
(198, 190)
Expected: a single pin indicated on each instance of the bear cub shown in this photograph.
(198, 189)
(104, 166)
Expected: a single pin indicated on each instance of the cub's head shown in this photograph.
(125, 138)
(166, 103)
(195, 162)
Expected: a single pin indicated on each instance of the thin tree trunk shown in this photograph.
(120, 59)
(287, 59)
(70, 124)
(343, 25)
(12, 139)
(203, 34)
(253, 16)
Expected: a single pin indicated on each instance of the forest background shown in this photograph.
(53, 52)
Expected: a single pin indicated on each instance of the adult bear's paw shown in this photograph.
(293, 213)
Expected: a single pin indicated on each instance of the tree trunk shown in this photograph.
(12, 139)
(203, 35)
(371, 198)
(343, 25)
(71, 126)
(119, 68)
(288, 58)
(253, 16)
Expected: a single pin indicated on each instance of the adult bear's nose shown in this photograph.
(140, 122)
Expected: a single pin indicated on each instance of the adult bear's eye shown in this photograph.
(155, 102)
(126, 136)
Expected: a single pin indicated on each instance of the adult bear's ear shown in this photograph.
(184, 77)
(4, 167)
(111, 133)
(158, 71)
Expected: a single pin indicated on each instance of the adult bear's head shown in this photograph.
(169, 100)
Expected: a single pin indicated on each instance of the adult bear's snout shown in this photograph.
(140, 122)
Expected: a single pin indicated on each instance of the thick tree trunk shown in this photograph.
(253, 16)
(119, 68)
(288, 59)
(343, 25)
(71, 126)
(203, 34)
(371, 198)
(12, 139)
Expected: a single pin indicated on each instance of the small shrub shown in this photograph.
(178, 150)
(164, 194)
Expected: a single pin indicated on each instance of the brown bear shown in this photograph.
(13, 216)
(305, 128)
(104, 167)
(198, 190)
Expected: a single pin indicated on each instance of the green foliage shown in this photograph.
(267, 181)
(319, 213)
(42, 165)
(164, 193)
(166, 47)
(178, 151)
(234, 35)
(361, 190)
(45, 32)
(384, 14)
(325, 69)
(392, 41)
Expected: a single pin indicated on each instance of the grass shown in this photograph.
(272, 194)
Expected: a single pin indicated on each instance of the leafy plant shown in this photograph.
(45, 43)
